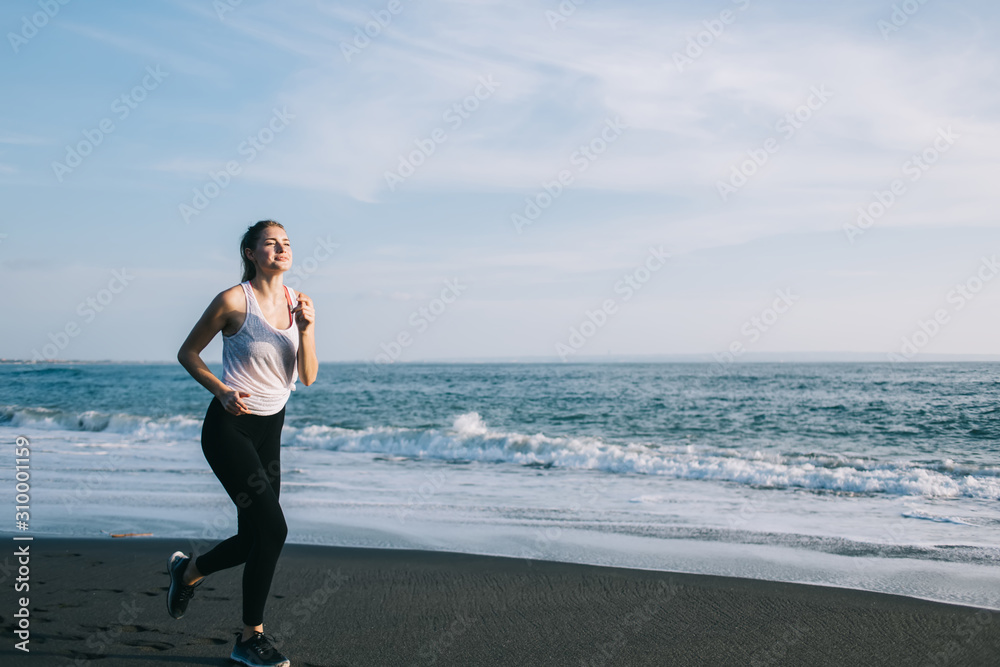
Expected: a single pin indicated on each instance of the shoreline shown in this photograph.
(104, 599)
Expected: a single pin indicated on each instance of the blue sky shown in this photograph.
(739, 138)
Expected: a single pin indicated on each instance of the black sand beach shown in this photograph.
(102, 602)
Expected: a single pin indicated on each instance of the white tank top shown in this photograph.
(260, 359)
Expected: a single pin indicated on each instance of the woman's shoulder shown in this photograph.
(231, 306)
(231, 299)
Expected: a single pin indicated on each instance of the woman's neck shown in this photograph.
(268, 285)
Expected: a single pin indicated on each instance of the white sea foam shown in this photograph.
(135, 426)
(926, 516)
(470, 439)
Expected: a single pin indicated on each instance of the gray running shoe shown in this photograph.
(258, 652)
(179, 593)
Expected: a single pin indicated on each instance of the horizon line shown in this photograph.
(748, 358)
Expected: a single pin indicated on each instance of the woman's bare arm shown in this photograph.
(308, 364)
(211, 322)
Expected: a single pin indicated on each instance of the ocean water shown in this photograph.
(882, 477)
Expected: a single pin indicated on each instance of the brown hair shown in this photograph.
(250, 240)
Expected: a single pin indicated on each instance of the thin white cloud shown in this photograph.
(179, 61)
(357, 118)
(19, 139)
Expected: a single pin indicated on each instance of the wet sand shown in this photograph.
(102, 602)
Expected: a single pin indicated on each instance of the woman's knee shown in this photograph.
(280, 531)
(273, 532)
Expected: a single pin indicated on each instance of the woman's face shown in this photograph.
(274, 250)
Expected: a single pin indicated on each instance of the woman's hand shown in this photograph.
(308, 364)
(232, 401)
(304, 313)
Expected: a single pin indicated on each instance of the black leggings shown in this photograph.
(244, 452)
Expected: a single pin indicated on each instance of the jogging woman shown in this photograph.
(267, 344)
